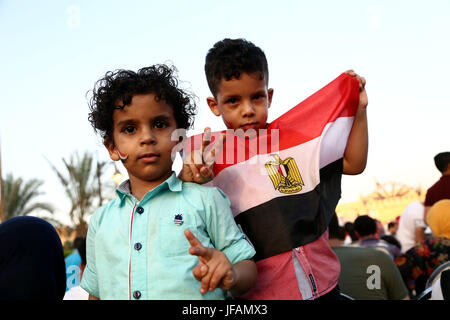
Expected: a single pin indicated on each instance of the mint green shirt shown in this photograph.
(138, 250)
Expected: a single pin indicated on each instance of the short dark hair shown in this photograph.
(350, 230)
(78, 242)
(365, 225)
(442, 160)
(230, 58)
(121, 85)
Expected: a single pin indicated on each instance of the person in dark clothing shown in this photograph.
(31, 260)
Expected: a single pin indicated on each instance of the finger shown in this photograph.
(363, 82)
(228, 281)
(200, 271)
(194, 170)
(210, 157)
(219, 275)
(207, 278)
(350, 72)
(203, 254)
(193, 241)
(206, 138)
(206, 171)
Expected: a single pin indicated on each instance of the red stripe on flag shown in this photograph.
(304, 122)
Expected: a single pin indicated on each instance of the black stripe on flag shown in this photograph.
(287, 222)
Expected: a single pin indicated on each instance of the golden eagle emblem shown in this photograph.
(285, 175)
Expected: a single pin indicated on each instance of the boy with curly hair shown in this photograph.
(160, 238)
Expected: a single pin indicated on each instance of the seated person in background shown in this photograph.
(350, 235)
(441, 189)
(392, 240)
(73, 261)
(411, 226)
(420, 261)
(76, 292)
(392, 227)
(366, 273)
(380, 228)
(366, 231)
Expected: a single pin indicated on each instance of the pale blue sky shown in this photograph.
(52, 52)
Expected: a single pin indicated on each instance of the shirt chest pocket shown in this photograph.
(172, 241)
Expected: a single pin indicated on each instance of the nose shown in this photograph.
(148, 136)
(248, 109)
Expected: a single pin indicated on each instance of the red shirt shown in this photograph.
(438, 191)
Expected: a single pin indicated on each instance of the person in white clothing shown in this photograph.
(411, 227)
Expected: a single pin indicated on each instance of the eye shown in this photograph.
(231, 100)
(258, 96)
(129, 129)
(161, 124)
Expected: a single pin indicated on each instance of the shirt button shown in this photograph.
(140, 210)
(137, 294)
(138, 246)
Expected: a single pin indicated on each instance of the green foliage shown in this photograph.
(20, 195)
(67, 252)
(82, 185)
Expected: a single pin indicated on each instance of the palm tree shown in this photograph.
(19, 195)
(82, 185)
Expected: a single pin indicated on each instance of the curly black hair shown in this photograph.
(121, 85)
(229, 58)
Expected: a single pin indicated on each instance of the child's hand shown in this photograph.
(214, 269)
(198, 167)
(363, 100)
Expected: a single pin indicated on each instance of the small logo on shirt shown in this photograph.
(178, 219)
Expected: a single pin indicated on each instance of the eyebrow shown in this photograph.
(161, 117)
(126, 121)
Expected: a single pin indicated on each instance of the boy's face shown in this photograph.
(243, 103)
(142, 133)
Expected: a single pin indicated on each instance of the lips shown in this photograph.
(149, 157)
(250, 125)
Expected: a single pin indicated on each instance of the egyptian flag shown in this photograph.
(284, 182)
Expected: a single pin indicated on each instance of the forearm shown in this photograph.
(246, 274)
(355, 155)
(419, 234)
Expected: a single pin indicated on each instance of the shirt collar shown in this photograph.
(172, 183)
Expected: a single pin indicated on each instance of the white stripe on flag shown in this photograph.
(248, 184)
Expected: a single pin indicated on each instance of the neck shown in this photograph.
(140, 187)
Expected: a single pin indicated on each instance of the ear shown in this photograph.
(270, 95)
(111, 149)
(212, 103)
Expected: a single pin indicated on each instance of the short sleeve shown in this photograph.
(89, 281)
(395, 286)
(222, 229)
